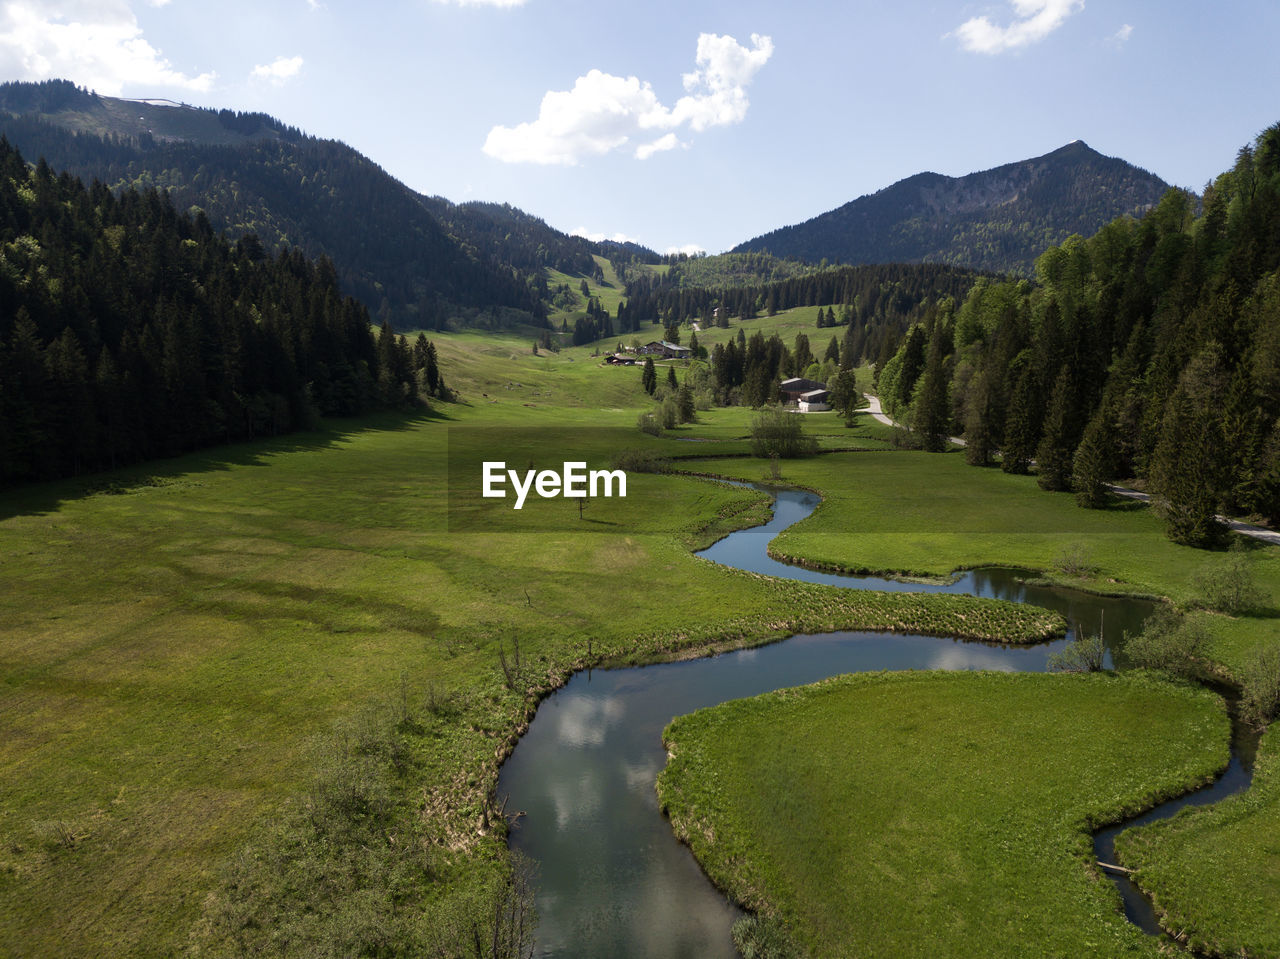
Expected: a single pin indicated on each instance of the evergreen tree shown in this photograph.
(931, 410)
(802, 354)
(978, 432)
(1057, 445)
(1187, 470)
(1022, 422)
(649, 376)
(833, 351)
(1091, 466)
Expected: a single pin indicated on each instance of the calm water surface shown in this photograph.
(612, 880)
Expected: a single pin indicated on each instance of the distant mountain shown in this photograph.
(414, 260)
(999, 219)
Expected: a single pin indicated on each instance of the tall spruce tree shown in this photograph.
(1091, 466)
(1188, 468)
(1057, 446)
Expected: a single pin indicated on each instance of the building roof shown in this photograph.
(800, 384)
(815, 395)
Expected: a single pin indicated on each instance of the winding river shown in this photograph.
(612, 878)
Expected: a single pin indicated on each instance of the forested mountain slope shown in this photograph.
(130, 330)
(1149, 351)
(999, 219)
(413, 260)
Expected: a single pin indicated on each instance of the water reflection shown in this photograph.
(613, 880)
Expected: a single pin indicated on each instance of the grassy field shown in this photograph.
(1215, 873)
(934, 814)
(183, 642)
(198, 655)
(929, 514)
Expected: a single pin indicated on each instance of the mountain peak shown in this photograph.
(999, 219)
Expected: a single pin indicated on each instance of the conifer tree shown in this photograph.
(931, 410)
(1187, 469)
(833, 351)
(1091, 465)
(978, 428)
(649, 376)
(1057, 446)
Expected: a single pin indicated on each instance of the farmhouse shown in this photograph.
(814, 401)
(670, 351)
(620, 359)
(797, 386)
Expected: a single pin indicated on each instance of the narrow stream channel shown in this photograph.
(612, 879)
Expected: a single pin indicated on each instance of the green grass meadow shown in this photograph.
(935, 814)
(1215, 872)
(185, 644)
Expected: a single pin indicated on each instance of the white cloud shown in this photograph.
(689, 249)
(586, 234)
(668, 142)
(718, 94)
(1036, 19)
(1121, 36)
(603, 113)
(279, 70)
(96, 43)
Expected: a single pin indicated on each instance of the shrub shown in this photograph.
(1084, 654)
(775, 432)
(649, 423)
(1075, 560)
(1229, 586)
(1260, 695)
(640, 461)
(669, 413)
(1169, 642)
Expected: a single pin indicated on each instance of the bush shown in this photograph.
(1075, 560)
(1084, 654)
(649, 423)
(641, 461)
(669, 413)
(1229, 586)
(775, 432)
(1260, 695)
(1169, 642)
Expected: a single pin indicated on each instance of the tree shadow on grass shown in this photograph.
(42, 498)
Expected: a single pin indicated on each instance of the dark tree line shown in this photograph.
(411, 259)
(1149, 351)
(129, 330)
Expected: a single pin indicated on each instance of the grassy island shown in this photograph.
(935, 814)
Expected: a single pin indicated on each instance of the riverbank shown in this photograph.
(935, 814)
(196, 654)
(926, 515)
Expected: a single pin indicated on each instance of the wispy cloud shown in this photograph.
(278, 71)
(96, 43)
(1121, 36)
(587, 234)
(1035, 20)
(603, 113)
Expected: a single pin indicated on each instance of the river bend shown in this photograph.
(612, 878)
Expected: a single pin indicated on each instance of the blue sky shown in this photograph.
(692, 124)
